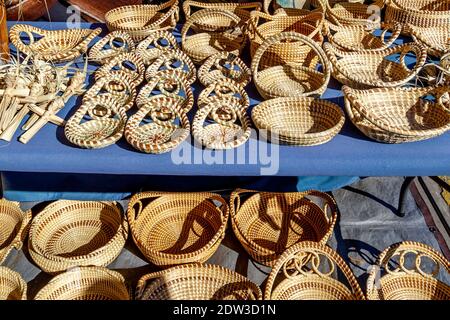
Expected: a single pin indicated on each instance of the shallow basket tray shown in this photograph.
(67, 234)
(85, 283)
(436, 39)
(177, 228)
(12, 285)
(197, 282)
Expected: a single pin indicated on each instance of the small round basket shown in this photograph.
(12, 286)
(114, 44)
(67, 234)
(298, 121)
(409, 279)
(85, 283)
(305, 272)
(266, 224)
(177, 228)
(196, 282)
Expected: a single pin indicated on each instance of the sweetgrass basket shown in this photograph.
(436, 39)
(12, 285)
(241, 9)
(403, 281)
(298, 121)
(196, 282)
(177, 228)
(397, 115)
(305, 272)
(361, 13)
(157, 43)
(13, 227)
(68, 234)
(224, 89)
(85, 283)
(172, 60)
(128, 63)
(291, 79)
(52, 45)
(266, 223)
(110, 46)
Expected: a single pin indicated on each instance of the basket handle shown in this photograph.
(421, 55)
(142, 283)
(18, 29)
(396, 29)
(248, 6)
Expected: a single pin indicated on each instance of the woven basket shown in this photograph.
(13, 227)
(85, 283)
(225, 88)
(290, 79)
(263, 26)
(156, 44)
(371, 69)
(177, 228)
(436, 39)
(396, 115)
(224, 65)
(226, 35)
(231, 127)
(408, 282)
(162, 134)
(12, 285)
(266, 224)
(298, 121)
(242, 9)
(139, 21)
(305, 277)
(272, 5)
(114, 44)
(197, 282)
(361, 13)
(128, 63)
(52, 45)
(67, 234)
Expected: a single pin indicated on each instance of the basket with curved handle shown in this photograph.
(224, 88)
(354, 12)
(129, 63)
(294, 262)
(101, 54)
(152, 47)
(238, 8)
(267, 4)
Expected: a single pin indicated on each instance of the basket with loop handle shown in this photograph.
(272, 5)
(266, 224)
(86, 283)
(139, 21)
(52, 45)
(13, 227)
(305, 272)
(196, 282)
(172, 60)
(410, 277)
(156, 44)
(371, 69)
(226, 35)
(397, 115)
(114, 44)
(67, 234)
(128, 63)
(290, 79)
(358, 38)
(224, 65)
(262, 26)
(354, 12)
(224, 88)
(12, 285)
(231, 127)
(298, 121)
(163, 133)
(436, 39)
(177, 228)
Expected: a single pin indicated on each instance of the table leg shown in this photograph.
(4, 42)
(403, 190)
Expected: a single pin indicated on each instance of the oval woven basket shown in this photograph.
(223, 89)
(371, 69)
(300, 274)
(177, 228)
(156, 44)
(52, 45)
(85, 283)
(12, 285)
(13, 227)
(405, 280)
(128, 63)
(266, 224)
(197, 282)
(396, 115)
(68, 234)
(291, 79)
(436, 39)
(112, 45)
(361, 13)
(298, 121)
(224, 65)
(139, 21)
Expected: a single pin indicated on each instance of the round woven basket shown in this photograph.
(54, 45)
(12, 285)
(112, 45)
(172, 60)
(404, 282)
(85, 283)
(13, 227)
(156, 44)
(291, 79)
(177, 228)
(128, 63)
(397, 115)
(196, 282)
(266, 224)
(67, 234)
(300, 274)
(298, 121)
(436, 39)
